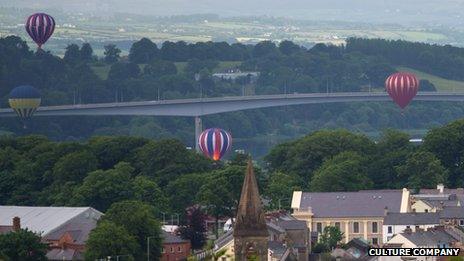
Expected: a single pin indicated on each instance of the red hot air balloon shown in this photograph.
(40, 27)
(214, 143)
(402, 87)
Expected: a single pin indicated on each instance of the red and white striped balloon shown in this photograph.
(40, 27)
(402, 87)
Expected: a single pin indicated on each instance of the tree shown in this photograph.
(122, 70)
(139, 220)
(146, 190)
(22, 245)
(264, 48)
(143, 51)
(217, 199)
(427, 86)
(86, 52)
(195, 229)
(302, 156)
(74, 166)
(160, 68)
(72, 54)
(110, 239)
(280, 188)
(344, 172)
(329, 239)
(422, 170)
(101, 188)
(288, 47)
(111, 53)
(447, 144)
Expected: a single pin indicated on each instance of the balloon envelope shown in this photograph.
(402, 87)
(214, 143)
(40, 27)
(24, 100)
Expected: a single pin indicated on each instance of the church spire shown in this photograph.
(250, 216)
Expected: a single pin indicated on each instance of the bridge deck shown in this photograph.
(206, 106)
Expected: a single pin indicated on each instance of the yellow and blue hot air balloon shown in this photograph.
(24, 100)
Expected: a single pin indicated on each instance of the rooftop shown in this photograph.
(42, 219)
(351, 204)
(452, 212)
(429, 237)
(169, 238)
(412, 219)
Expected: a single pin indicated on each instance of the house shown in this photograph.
(438, 237)
(174, 248)
(357, 214)
(395, 223)
(356, 249)
(65, 229)
(452, 216)
(433, 200)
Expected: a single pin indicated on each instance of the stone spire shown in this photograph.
(250, 230)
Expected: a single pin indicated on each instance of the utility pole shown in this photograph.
(198, 130)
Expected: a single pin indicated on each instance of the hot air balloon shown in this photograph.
(24, 100)
(40, 27)
(402, 87)
(214, 143)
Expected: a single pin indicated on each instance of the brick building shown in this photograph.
(174, 248)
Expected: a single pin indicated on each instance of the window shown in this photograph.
(461, 222)
(355, 227)
(375, 241)
(319, 227)
(374, 227)
(426, 211)
(390, 229)
(337, 225)
(162, 250)
(179, 249)
(172, 249)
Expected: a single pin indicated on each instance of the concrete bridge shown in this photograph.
(205, 106)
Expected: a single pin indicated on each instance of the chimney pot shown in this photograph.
(385, 210)
(441, 188)
(16, 224)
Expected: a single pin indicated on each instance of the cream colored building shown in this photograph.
(357, 214)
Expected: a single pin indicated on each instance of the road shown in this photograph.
(206, 106)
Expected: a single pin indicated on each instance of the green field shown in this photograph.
(440, 83)
(102, 71)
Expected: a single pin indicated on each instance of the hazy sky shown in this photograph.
(442, 11)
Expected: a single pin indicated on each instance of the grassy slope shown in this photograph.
(102, 71)
(441, 83)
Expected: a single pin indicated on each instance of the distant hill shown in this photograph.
(391, 11)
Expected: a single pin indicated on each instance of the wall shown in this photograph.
(181, 254)
(396, 229)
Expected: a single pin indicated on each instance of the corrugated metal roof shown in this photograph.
(352, 204)
(39, 219)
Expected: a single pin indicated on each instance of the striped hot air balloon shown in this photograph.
(24, 100)
(402, 87)
(40, 27)
(214, 143)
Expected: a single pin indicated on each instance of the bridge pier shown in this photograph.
(198, 130)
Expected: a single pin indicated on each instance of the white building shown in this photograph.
(396, 223)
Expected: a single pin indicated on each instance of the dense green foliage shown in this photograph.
(168, 71)
(343, 161)
(22, 245)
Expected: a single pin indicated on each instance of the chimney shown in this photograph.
(441, 188)
(408, 230)
(16, 224)
(385, 211)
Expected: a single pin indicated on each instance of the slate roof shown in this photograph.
(412, 219)
(429, 238)
(292, 224)
(169, 238)
(42, 219)
(352, 204)
(452, 212)
(277, 248)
